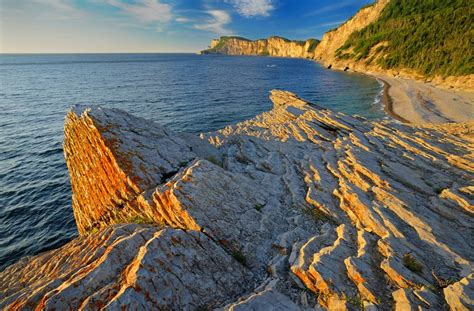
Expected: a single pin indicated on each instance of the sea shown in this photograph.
(185, 92)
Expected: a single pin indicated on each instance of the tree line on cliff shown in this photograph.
(432, 37)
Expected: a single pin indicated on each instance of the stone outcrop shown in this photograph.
(127, 156)
(140, 267)
(296, 208)
(273, 46)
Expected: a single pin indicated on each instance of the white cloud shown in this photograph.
(330, 8)
(216, 23)
(250, 8)
(146, 11)
(183, 20)
(336, 23)
(63, 6)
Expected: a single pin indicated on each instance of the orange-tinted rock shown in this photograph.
(298, 207)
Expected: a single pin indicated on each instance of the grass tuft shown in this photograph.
(239, 256)
(411, 263)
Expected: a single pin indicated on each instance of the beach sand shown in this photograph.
(417, 102)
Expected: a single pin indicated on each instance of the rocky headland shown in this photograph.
(298, 208)
(273, 46)
(415, 97)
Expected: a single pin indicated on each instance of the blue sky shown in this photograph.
(55, 26)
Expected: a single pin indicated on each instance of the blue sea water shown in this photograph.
(185, 92)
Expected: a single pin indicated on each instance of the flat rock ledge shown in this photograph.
(299, 208)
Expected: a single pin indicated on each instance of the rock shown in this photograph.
(126, 266)
(273, 46)
(334, 39)
(127, 155)
(460, 295)
(266, 300)
(333, 211)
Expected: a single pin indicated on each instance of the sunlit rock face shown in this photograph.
(272, 46)
(296, 208)
(114, 159)
(334, 39)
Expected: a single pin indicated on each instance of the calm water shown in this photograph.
(183, 91)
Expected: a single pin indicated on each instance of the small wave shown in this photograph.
(50, 152)
(271, 66)
(378, 100)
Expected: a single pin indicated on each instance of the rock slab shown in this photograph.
(298, 208)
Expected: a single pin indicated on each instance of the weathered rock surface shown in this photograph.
(273, 46)
(296, 208)
(139, 267)
(113, 158)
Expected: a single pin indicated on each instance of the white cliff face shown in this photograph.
(273, 46)
(296, 208)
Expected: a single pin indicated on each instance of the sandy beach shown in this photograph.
(417, 102)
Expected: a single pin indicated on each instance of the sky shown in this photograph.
(105, 26)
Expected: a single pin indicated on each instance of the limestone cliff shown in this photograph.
(296, 208)
(332, 40)
(273, 46)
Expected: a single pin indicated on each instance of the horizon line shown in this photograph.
(52, 53)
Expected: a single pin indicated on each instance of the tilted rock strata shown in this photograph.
(304, 207)
(113, 158)
(273, 46)
(139, 267)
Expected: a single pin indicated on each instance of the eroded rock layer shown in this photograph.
(296, 208)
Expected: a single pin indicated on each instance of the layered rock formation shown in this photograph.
(296, 208)
(273, 46)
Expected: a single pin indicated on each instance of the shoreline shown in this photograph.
(415, 102)
(388, 102)
(411, 101)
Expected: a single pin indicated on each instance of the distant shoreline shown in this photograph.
(410, 101)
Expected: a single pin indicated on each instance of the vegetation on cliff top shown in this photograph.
(432, 37)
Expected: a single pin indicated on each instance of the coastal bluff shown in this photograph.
(368, 43)
(272, 46)
(298, 208)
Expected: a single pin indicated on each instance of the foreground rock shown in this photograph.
(297, 208)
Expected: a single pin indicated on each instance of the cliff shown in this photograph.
(385, 39)
(417, 40)
(296, 208)
(332, 40)
(273, 46)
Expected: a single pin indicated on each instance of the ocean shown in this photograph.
(185, 92)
